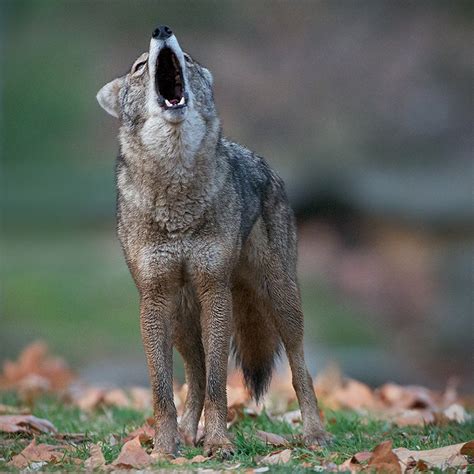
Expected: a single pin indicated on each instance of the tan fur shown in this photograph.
(210, 241)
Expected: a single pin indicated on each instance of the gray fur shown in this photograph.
(210, 241)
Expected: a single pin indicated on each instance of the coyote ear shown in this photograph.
(108, 97)
(208, 75)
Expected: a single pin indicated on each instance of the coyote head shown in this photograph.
(164, 85)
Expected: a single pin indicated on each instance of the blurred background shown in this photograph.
(365, 108)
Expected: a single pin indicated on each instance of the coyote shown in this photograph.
(210, 241)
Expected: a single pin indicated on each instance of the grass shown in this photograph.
(109, 426)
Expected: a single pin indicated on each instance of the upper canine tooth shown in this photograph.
(181, 102)
(168, 103)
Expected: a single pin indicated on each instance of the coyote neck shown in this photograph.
(172, 173)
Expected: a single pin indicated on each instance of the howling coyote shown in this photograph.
(210, 241)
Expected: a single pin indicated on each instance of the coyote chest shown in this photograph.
(170, 180)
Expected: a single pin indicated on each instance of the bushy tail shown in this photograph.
(256, 347)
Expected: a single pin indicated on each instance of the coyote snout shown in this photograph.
(210, 241)
(167, 70)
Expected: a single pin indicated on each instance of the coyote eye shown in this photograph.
(187, 58)
(138, 66)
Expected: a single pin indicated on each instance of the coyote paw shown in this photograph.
(318, 439)
(221, 448)
(164, 450)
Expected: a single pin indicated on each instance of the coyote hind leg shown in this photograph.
(285, 298)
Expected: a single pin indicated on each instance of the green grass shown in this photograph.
(352, 433)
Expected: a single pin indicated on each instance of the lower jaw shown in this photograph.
(175, 115)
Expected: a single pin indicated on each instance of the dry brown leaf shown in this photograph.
(132, 456)
(52, 372)
(141, 398)
(27, 424)
(145, 433)
(36, 453)
(402, 417)
(440, 458)
(199, 458)
(353, 395)
(291, 417)
(354, 464)
(277, 457)
(468, 449)
(179, 461)
(328, 380)
(90, 398)
(282, 386)
(235, 413)
(96, 459)
(32, 386)
(116, 398)
(383, 459)
(456, 412)
(410, 396)
(271, 438)
(196, 459)
(237, 396)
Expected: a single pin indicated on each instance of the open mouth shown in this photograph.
(169, 81)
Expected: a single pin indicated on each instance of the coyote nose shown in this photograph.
(162, 32)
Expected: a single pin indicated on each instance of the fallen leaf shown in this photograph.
(235, 413)
(291, 417)
(328, 380)
(282, 387)
(277, 457)
(456, 412)
(28, 424)
(468, 449)
(353, 395)
(383, 459)
(237, 396)
(44, 453)
(31, 386)
(145, 433)
(199, 458)
(141, 398)
(362, 457)
(96, 459)
(132, 456)
(354, 464)
(403, 417)
(89, 399)
(51, 372)
(349, 465)
(409, 396)
(116, 398)
(271, 438)
(439, 458)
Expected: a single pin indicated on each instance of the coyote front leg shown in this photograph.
(156, 310)
(216, 313)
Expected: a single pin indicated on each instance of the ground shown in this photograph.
(109, 426)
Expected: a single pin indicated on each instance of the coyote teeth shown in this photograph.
(181, 102)
(168, 103)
